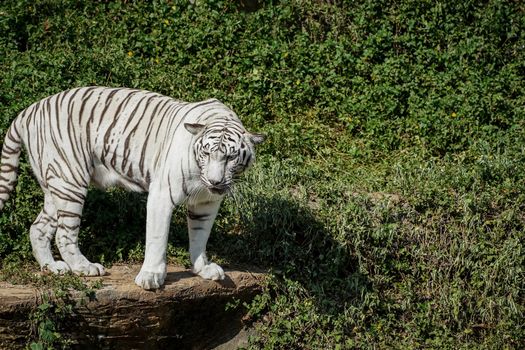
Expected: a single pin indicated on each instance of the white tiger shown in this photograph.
(140, 140)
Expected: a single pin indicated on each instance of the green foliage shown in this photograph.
(388, 200)
(55, 300)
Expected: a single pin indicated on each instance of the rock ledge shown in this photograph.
(187, 313)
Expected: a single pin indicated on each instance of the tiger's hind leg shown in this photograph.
(41, 233)
(69, 201)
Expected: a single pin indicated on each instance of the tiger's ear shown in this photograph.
(256, 138)
(194, 128)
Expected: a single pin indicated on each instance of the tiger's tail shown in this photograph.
(9, 162)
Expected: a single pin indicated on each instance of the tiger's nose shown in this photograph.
(215, 182)
(215, 172)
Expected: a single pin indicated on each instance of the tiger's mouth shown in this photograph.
(218, 189)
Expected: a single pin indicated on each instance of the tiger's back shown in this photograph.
(111, 136)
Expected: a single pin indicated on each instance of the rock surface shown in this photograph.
(187, 313)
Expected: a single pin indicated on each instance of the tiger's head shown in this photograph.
(223, 150)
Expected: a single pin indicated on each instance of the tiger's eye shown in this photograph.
(233, 155)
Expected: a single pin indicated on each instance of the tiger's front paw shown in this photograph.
(150, 280)
(211, 271)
